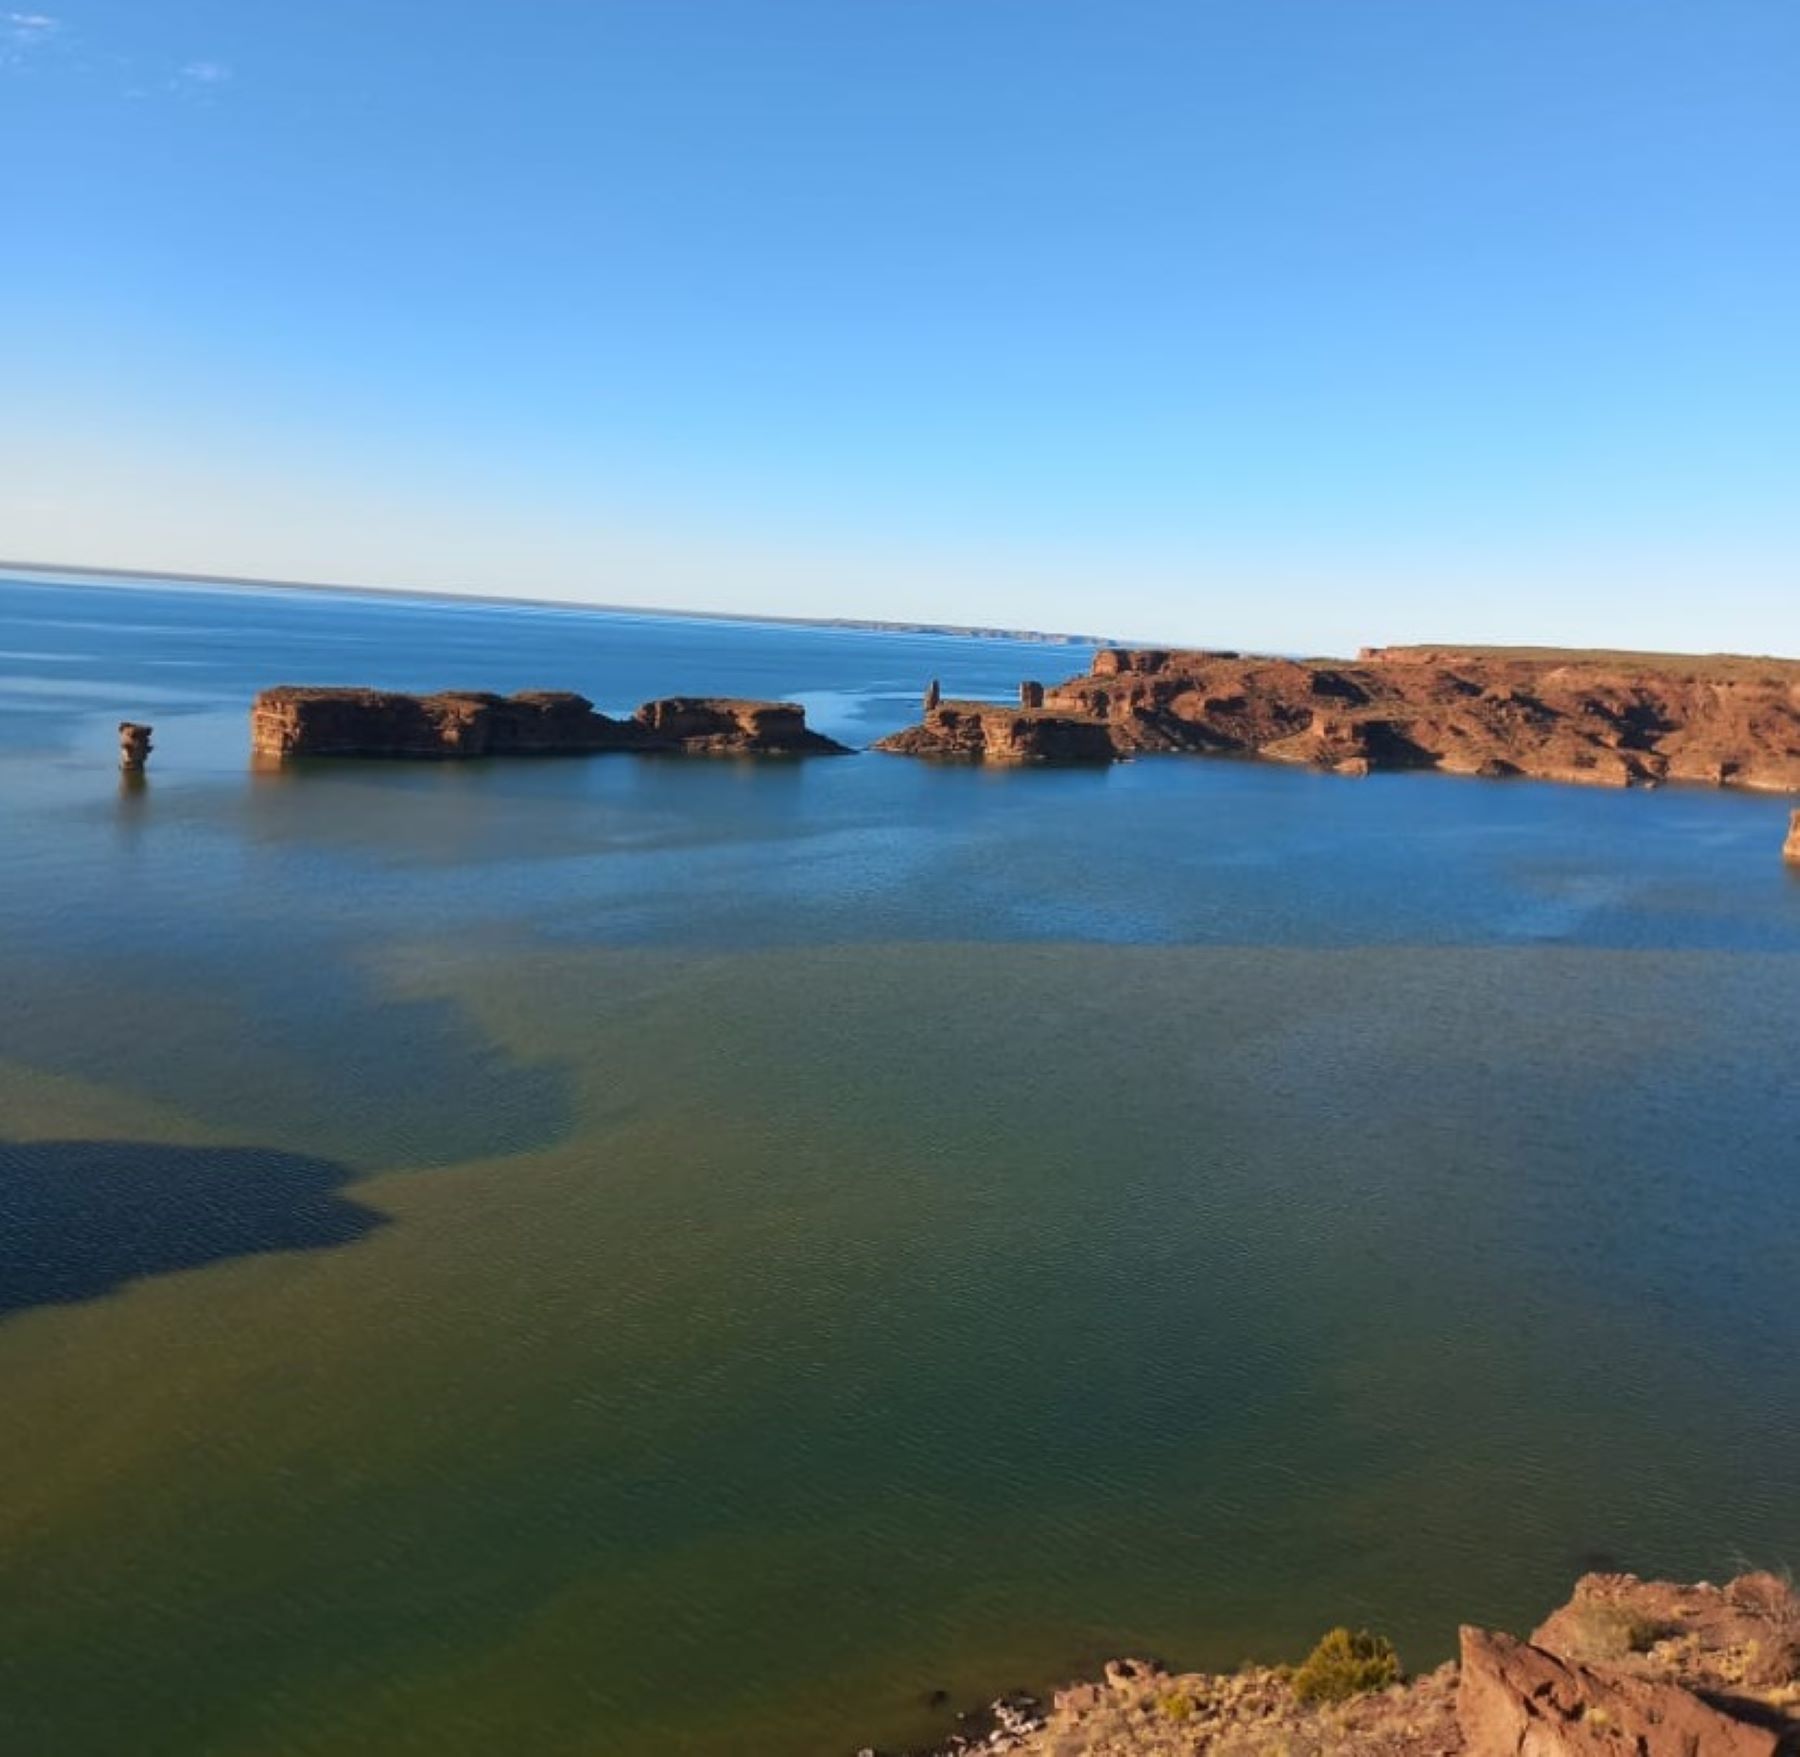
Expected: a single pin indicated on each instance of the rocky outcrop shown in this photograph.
(1627, 1668)
(296, 722)
(990, 733)
(1517, 1700)
(1791, 849)
(1603, 719)
(728, 726)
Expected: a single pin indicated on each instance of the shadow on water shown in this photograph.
(79, 1219)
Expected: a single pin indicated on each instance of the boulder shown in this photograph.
(1517, 1700)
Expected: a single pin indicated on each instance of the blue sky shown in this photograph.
(1286, 323)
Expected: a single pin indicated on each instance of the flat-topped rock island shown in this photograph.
(292, 721)
(1611, 719)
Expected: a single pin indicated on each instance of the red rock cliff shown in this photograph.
(1610, 719)
(295, 722)
(987, 732)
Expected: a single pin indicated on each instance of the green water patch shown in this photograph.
(890, 1319)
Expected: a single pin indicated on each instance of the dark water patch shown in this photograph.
(81, 1219)
(298, 1043)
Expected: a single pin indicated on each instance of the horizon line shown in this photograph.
(441, 594)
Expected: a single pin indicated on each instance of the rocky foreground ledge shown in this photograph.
(1610, 719)
(1627, 1668)
(296, 722)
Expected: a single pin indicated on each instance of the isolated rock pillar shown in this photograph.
(134, 745)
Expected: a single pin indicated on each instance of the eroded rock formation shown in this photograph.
(726, 726)
(1518, 1700)
(990, 732)
(298, 722)
(1792, 846)
(1607, 719)
(134, 745)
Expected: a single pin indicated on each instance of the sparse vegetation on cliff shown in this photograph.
(1625, 1665)
(1345, 1665)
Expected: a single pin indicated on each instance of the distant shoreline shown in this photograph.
(871, 625)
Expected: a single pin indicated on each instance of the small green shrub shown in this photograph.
(1178, 1705)
(1345, 1665)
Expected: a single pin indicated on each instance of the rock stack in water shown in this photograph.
(990, 732)
(295, 722)
(134, 746)
(1792, 847)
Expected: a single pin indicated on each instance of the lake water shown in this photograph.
(619, 1256)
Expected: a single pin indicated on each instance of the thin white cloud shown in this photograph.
(206, 73)
(23, 32)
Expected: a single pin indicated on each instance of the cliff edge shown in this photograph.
(1627, 1668)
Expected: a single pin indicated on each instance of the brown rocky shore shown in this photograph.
(1627, 1668)
(302, 722)
(1611, 719)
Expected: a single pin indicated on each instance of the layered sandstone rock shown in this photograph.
(295, 722)
(291, 722)
(1603, 719)
(988, 732)
(725, 726)
(1792, 847)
